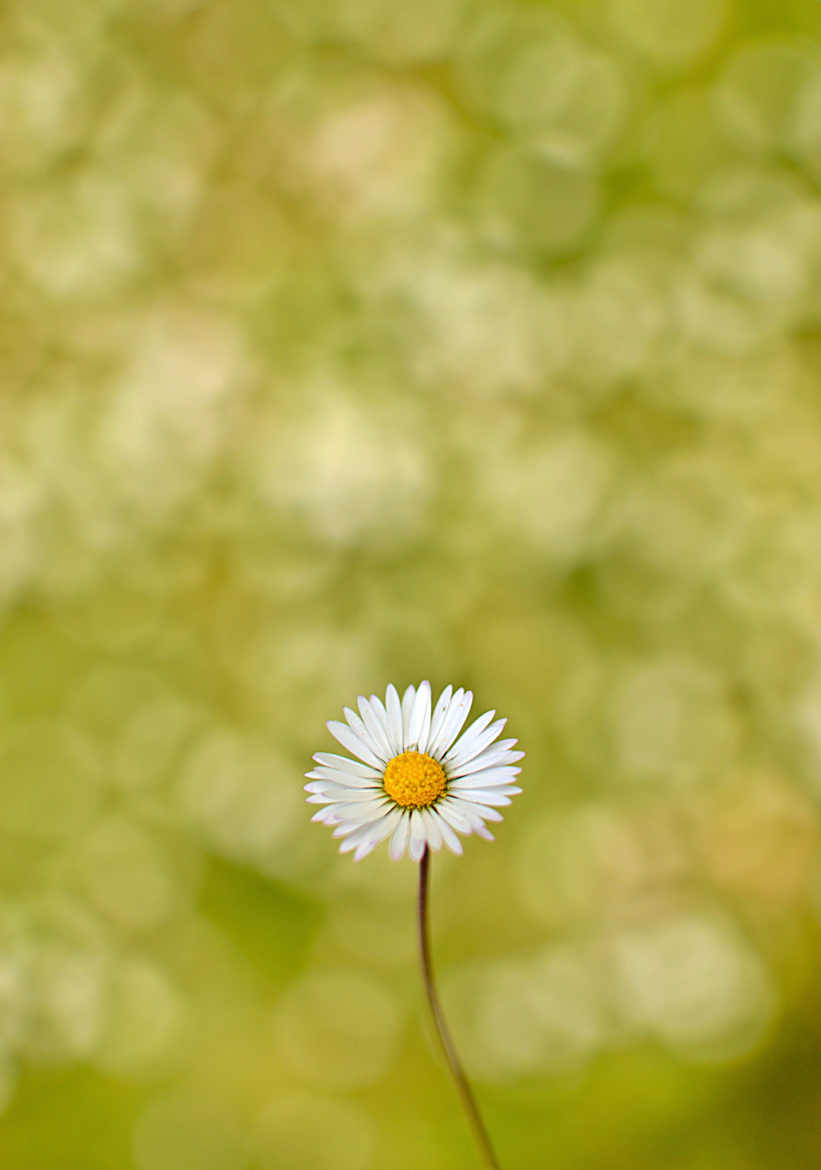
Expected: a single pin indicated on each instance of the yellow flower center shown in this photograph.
(414, 780)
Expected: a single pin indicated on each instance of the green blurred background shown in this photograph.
(352, 342)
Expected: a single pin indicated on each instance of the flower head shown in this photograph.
(415, 778)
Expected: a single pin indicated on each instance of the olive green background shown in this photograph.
(351, 342)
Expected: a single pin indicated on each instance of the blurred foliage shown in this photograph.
(346, 343)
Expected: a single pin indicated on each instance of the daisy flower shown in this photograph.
(419, 779)
(416, 777)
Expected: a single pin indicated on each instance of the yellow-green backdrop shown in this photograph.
(345, 342)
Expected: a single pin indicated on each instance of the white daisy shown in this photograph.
(415, 779)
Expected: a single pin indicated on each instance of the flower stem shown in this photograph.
(451, 1055)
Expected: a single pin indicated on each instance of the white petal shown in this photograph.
(431, 828)
(375, 724)
(378, 833)
(438, 718)
(495, 796)
(488, 759)
(343, 733)
(469, 736)
(505, 744)
(448, 836)
(465, 818)
(420, 718)
(381, 713)
(327, 816)
(485, 778)
(347, 818)
(350, 818)
(408, 700)
(399, 840)
(476, 810)
(394, 709)
(344, 764)
(324, 788)
(473, 743)
(418, 838)
(370, 833)
(453, 723)
(322, 798)
(359, 729)
(348, 780)
(358, 814)
(448, 811)
(354, 833)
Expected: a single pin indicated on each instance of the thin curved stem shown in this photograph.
(448, 1047)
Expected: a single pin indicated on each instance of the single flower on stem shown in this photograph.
(420, 780)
